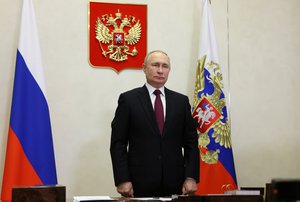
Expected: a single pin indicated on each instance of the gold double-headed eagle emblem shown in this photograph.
(121, 33)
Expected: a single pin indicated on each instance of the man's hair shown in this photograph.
(156, 51)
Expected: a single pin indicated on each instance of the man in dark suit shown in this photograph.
(149, 161)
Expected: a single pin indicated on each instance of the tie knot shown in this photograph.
(157, 92)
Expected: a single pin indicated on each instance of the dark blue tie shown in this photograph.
(159, 111)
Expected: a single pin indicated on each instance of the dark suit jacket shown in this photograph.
(156, 164)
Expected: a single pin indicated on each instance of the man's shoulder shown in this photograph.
(174, 93)
(134, 91)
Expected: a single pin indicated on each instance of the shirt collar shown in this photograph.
(151, 89)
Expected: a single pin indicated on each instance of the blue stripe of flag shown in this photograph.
(31, 122)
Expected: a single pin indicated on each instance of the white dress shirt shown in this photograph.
(151, 90)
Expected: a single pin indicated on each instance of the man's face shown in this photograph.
(157, 69)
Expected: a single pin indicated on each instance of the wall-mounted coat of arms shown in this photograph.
(117, 35)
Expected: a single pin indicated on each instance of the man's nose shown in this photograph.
(160, 68)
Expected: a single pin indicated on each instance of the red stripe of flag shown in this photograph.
(17, 162)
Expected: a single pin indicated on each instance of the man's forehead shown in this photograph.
(159, 57)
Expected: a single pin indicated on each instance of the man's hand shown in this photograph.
(189, 187)
(125, 189)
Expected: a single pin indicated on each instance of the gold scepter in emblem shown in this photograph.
(103, 51)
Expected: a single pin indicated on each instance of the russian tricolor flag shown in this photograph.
(29, 154)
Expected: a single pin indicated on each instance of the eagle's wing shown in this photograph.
(134, 34)
(222, 133)
(102, 32)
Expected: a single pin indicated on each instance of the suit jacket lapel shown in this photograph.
(170, 109)
(146, 104)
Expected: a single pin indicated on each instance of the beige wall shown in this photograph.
(262, 79)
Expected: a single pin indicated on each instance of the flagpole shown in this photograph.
(228, 64)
